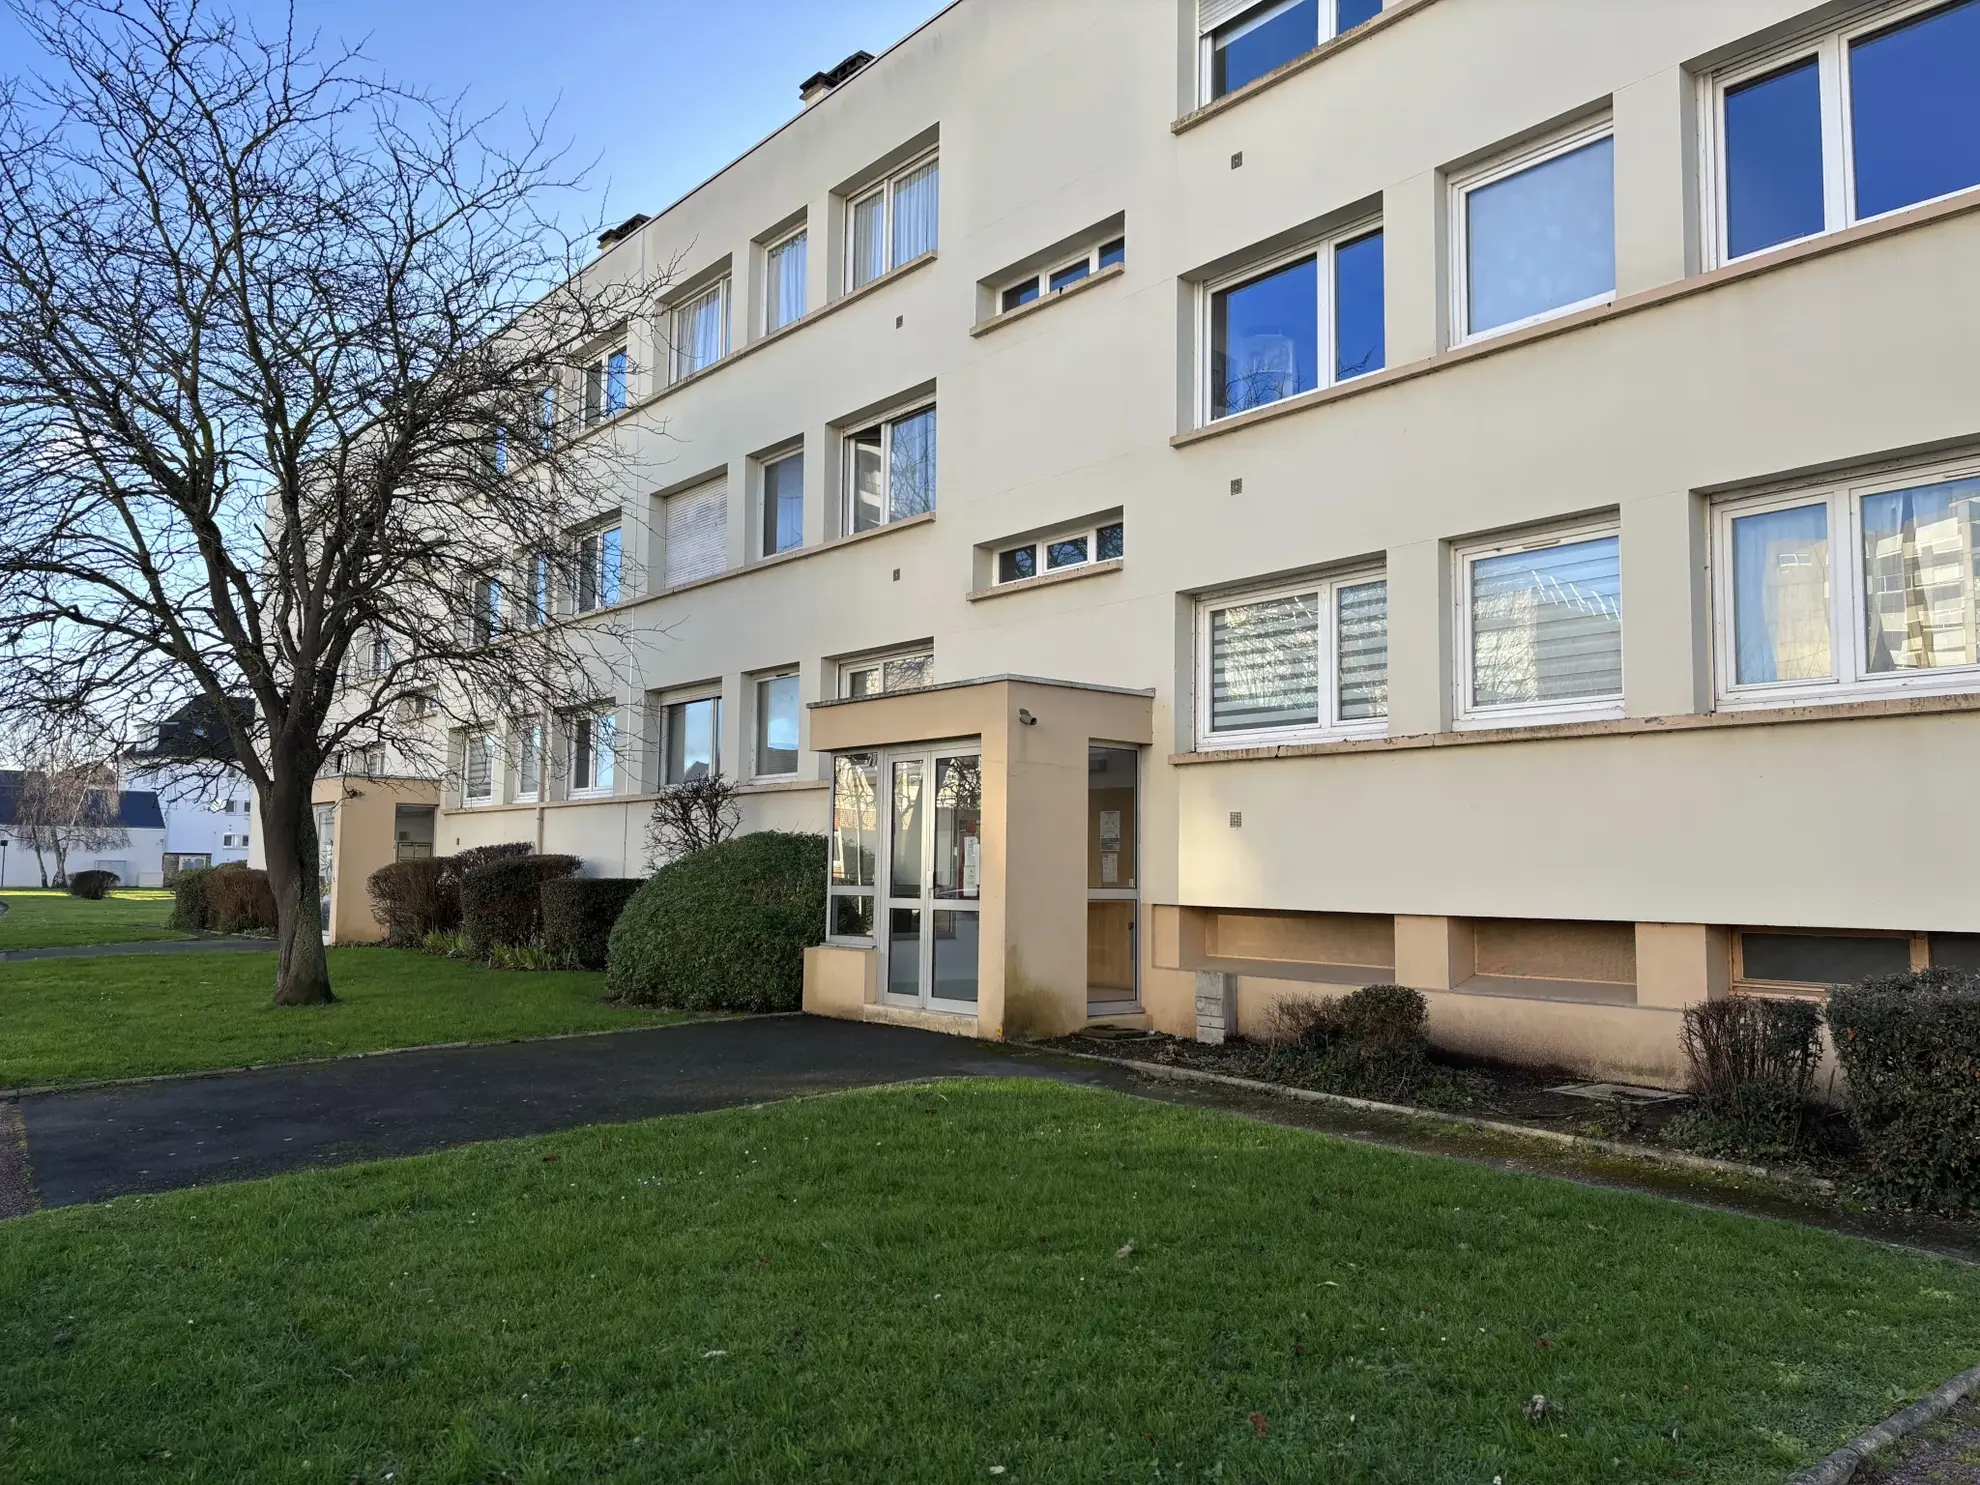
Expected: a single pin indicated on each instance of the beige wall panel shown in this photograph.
(1526, 949)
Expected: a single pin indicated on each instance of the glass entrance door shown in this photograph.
(933, 873)
(1112, 866)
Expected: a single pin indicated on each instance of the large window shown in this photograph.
(784, 281)
(783, 504)
(1302, 323)
(599, 561)
(692, 739)
(1305, 662)
(893, 223)
(1064, 552)
(890, 471)
(777, 726)
(1845, 125)
(1534, 235)
(855, 845)
(1861, 588)
(877, 675)
(594, 748)
(1540, 629)
(1063, 274)
(701, 331)
(1243, 40)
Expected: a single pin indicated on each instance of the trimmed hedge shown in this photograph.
(192, 900)
(411, 899)
(579, 914)
(724, 929)
(1910, 1047)
(94, 885)
(456, 867)
(1372, 1043)
(242, 901)
(502, 900)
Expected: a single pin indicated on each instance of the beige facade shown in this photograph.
(1560, 868)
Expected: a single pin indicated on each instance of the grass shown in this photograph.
(130, 1015)
(55, 920)
(930, 1283)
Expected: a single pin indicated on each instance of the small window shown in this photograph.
(1541, 629)
(1058, 279)
(1071, 274)
(1017, 296)
(1820, 958)
(783, 504)
(1844, 126)
(701, 331)
(909, 671)
(546, 416)
(1535, 236)
(693, 739)
(1104, 543)
(784, 282)
(1243, 41)
(1303, 663)
(487, 610)
(598, 568)
(894, 223)
(1287, 329)
(1858, 589)
(529, 760)
(541, 591)
(594, 746)
(855, 845)
(777, 726)
(615, 383)
(1113, 252)
(478, 768)
(890, 471)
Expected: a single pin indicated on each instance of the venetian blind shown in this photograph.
(697, 534)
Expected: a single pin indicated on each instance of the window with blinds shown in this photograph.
(1294, 664)
(1245, 39)
(696, 534)
(1542, 629)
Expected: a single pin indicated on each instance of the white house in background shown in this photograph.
(139, 862)
(203, 796)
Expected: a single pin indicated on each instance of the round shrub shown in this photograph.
(1370, 1044)
(502, 900)
(411, 899)
(242, 900)
(94, 885)
(192, 900)
(579, 914)
(724, 929)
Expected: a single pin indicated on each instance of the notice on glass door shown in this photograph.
(972, 864)
(1110, 868)
(1110, 830)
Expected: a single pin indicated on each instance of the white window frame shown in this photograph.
(678, 318)
(767, 530)
(890, 185)
(878, 662)
(598, 406)
(1829, 47)
(530, 733)
(470, 739)
(1332, 726)
(591, 568)
(1041, 279)
(1329, 26)
(1321, 250)
(664, 725)
(770, 251)
(1850, 678)
(589, 718)
(1469, 716)
(757, 683)
(848, 485)
(1090, 532)
(1504, 167)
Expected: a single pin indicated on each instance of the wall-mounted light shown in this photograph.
(1025, 718)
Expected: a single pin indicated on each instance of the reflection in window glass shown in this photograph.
(958, 827)
(1360, 328)
(1915, 109)
(1774, 159)
(529, 760)
(1019, 295)
(1362, 615)
(852, 916)
(777, 725)
(869, 479)
(1113, 252)
(1255, 43)
(911, 467)
(1351, 13)
(783, 505)
(904, 952)
(1017, 564)
(1109, 542)
(693, 739)
(855, 819)
(1068, 553)
(1265, 664)
(1542, 239)
(1918, 574)
(1780, 583)
(905, 842)
(1264, 340)
(955, 956)
(907, 672)
(1546, 624)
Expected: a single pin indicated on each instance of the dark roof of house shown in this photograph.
(198, 732)
(137, 809)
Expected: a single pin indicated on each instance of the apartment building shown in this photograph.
(1210, 501)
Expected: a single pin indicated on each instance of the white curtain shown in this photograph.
(869, 238)
(698, 332)
(786, 280)
(916, 212)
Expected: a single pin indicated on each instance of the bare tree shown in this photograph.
(67, 801)
(279, 345)
(691, 817)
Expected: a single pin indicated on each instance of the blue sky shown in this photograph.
(659, 93)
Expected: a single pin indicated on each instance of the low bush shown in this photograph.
(242, 900)
(502, 900)
(411, 899)
(93, 885)
(724, 929)
(1752, 1067)
(1910, 1047)
(1369, 1044)
(530, 957)
(579, 914)
(448, 945)
(455, 868)
(192, 900)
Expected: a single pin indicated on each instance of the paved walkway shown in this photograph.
(94, 1144)
(156, 946)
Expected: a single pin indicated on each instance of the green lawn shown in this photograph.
(55, 920)
(926, 1284)
(128, 1015)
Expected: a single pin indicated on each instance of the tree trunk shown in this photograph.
(61, 862)
(288, 839)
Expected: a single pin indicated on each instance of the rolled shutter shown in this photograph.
(697, 534)
(1210, 14)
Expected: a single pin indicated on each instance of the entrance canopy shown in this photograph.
(962, 852)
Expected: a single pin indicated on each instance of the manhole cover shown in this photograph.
(1617, 1093)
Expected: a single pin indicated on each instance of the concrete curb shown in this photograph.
(1842, 1465)
(194, 1075)
(1468, 1121)
(17, 1194)
(210, 944)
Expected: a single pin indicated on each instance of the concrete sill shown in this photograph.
(1046, 580)
(1515, 987)
(1351, 976)
(1044, 302)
